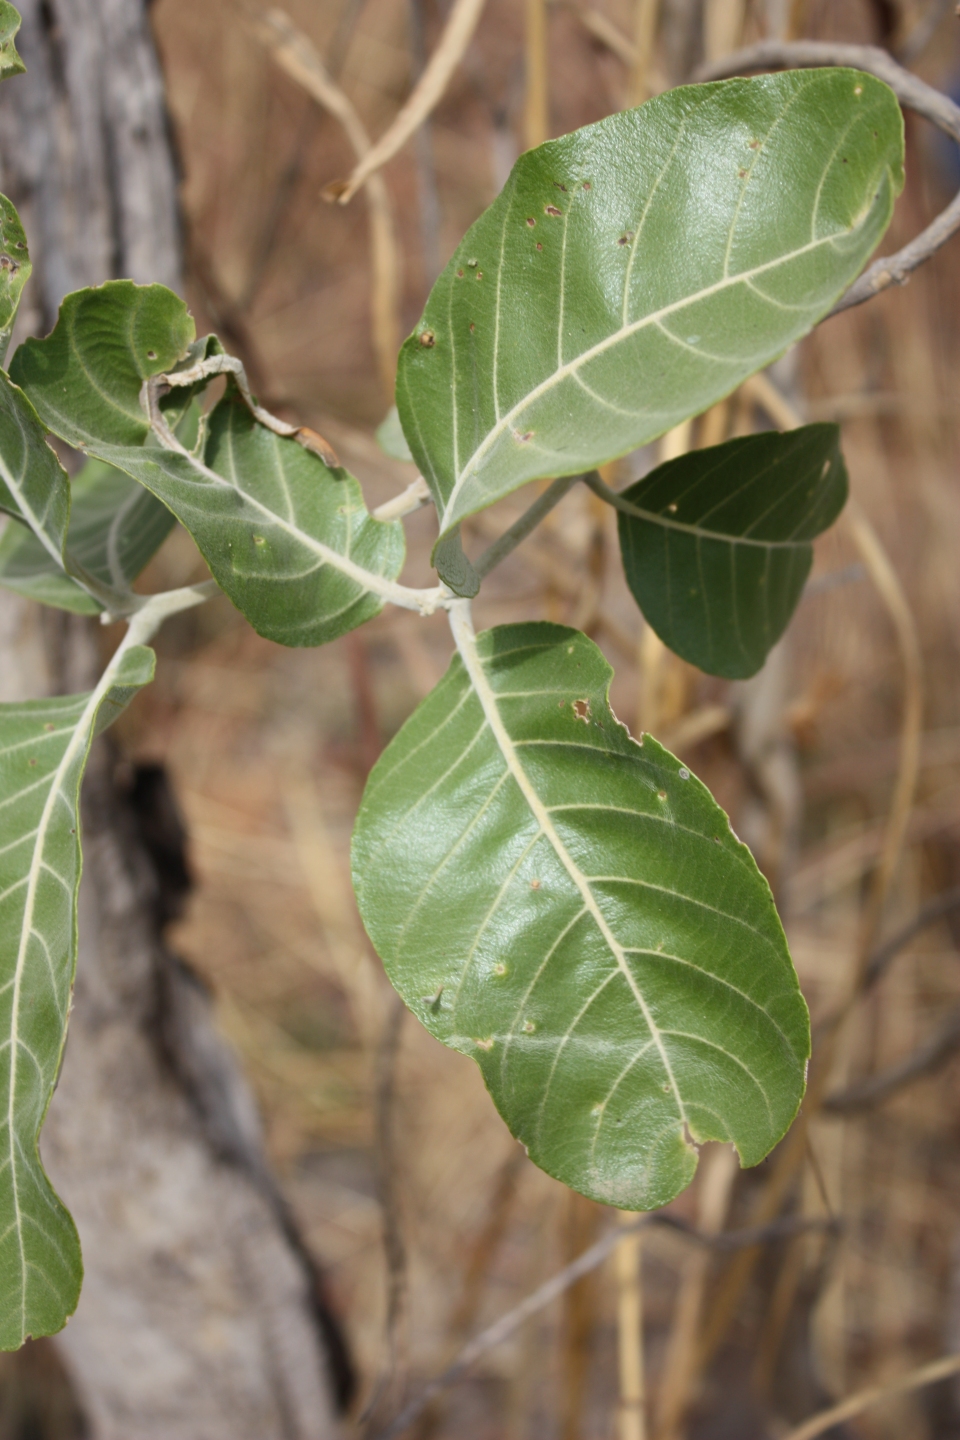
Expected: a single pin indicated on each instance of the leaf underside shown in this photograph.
(43, 750)
(572, 910)
(635, 272)
(719, 559)
(287, 538)
(116, 527)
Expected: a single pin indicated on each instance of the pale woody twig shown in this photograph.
(426, 94)
(913, 93)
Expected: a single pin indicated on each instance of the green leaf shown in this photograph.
(33, 484)
(390, 436)
(116, 527)
(86, 377)
(15, 266)
(10, 62)
(288, 539)
(717, 549)
(43, 750)
(572, 910)
(633, 273)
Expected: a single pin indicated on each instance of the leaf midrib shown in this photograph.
(624, 332)
(467, 646)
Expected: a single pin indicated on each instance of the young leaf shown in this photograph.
(10, 62)
(287, 538)
(43, 750)
(15, 266)
(115, 528)
(717, 547)
(573, 911)
(390, 436)
(636, 271)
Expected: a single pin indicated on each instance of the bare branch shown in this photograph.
(416, 494)
(934, 910)
(427, 93)
(913, 93)
(503, 1328)
(875, 1089)
(528, 521)
(925, 1375)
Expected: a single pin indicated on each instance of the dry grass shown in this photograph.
(269, 749)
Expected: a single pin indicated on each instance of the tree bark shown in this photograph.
(202, 1313)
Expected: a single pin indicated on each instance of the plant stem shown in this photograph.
(528, 521)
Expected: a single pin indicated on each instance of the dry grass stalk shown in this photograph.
(298, 58)
(427, 94)
(645, 16)
(536, 104)
(718, 1170)
(722, 27)
(631, 1413)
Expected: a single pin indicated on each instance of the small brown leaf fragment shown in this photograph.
(313, 441)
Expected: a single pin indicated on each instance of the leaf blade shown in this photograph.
(718, 548)
(550, 343)
(568, 875)
(43, 750)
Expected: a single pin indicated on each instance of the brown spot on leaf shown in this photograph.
(560, 187)
(742, 174)
(459, 274)
(672, 508)
(625, 238)
(539, 246)
(534, 884)
(427, 339)
(581, 708)
(754, 144)
(587, 185)
(522, 439)
(530, 221)
(479, 274)
(551, 210)
(484, 1044)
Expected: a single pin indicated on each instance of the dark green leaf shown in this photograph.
(15, 266)
(43, 750)
(636, 271)
(33, 484)
(718, 548)
(572, 910)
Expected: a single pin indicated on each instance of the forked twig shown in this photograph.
(426, 94)
(913, 93)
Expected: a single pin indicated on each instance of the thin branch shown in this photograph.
(416, 495)
(298, 57)
(934, 910)
(912, 93)
(826, 1419)
(925, 1060)
(503, 1328)
(528, 521)
(426, 94)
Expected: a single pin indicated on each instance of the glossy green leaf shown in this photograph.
(718, 549)
(15, 266)
(43, 750)
(116, 527)
(572, 910)
(10, 62)
(288, 539)
(633, 273)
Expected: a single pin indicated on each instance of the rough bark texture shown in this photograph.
(201, 1314)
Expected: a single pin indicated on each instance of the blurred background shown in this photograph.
(839, 762)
